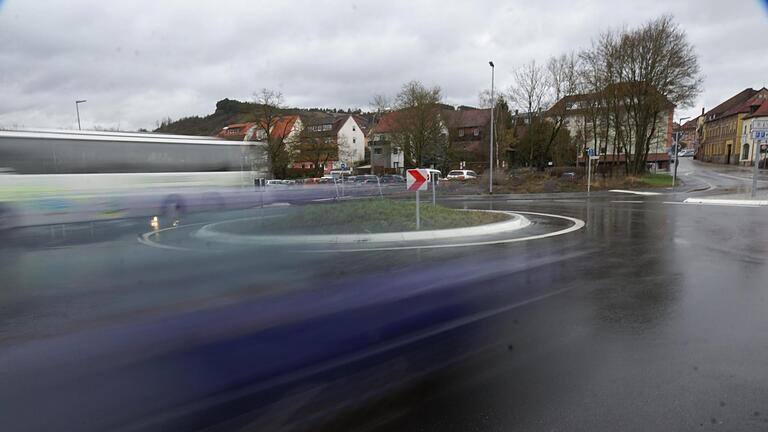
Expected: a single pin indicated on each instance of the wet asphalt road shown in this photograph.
(652, 317)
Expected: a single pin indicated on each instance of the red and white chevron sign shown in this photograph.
(416, 179)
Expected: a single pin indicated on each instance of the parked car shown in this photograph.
(461, 175)
(367, 179)
(392, 178)
(434, 175)
(686, 153)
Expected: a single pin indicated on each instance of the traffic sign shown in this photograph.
(590, 152)
(416, 179)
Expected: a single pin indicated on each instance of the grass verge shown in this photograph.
(657, 180)
(367, 216)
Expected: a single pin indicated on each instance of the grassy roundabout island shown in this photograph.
(365, 216)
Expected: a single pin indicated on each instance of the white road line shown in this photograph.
(727, 202)
(577, 225)
(147, 241)
(712, 205)
(634, 192)
(628, 201)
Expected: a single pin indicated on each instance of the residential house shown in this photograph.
(285, 127)
(386, 154)
(468, 132)
(465, 145)
(687, 134)
(333, 141)
(236, 131)
(757, 119)
(723, 127)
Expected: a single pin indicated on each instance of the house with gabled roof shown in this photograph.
(754, 121)
(464, 132)
(723, 127)
(331, 140)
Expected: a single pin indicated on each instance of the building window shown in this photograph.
(353, 129)
(461, 132)
(395, 150)
(745, 152)
(377, 150)
(476, 132)
(354, 140)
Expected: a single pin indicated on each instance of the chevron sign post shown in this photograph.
(416, 180)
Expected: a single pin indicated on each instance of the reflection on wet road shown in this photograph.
(651, 317)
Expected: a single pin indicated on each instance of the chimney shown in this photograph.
(702, 110)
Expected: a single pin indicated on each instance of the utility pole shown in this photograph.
(77, 108)
(490, 152)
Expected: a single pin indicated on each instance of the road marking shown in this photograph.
(726, 202)
(628, 201)
(634, 192)
(577, 225)
(147, 241)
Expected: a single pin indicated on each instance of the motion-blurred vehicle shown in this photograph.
(461, 175)
(686, 153)
(59, 177)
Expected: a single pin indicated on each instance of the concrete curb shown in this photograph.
(515, 223)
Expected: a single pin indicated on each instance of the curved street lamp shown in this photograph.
(77, 108)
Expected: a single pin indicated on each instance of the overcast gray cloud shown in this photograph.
(140, 61)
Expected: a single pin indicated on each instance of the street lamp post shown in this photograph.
(676, 150)
(490, 152)
(77, 108)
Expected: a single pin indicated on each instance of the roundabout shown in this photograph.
(224, 235)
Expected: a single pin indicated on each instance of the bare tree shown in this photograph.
(638, 75)
(527, 93)
(562, 79)
(318, 150)
(419, 127)
(381, 103)
(269, 104)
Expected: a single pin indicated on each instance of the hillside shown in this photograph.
(228, 111)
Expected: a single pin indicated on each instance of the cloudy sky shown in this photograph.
(139, 61)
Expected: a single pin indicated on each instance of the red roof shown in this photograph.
(467, 118)
(749, 105)
(760, 112)
(464, 118)
(283, 126)
(387, 123)
(731, 103)
(235, 131)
